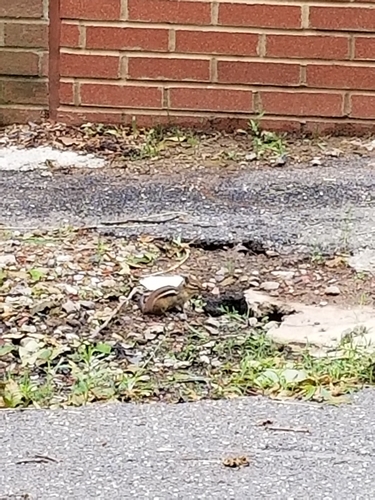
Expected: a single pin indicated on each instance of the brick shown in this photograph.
(76, 116)
(44, 64)
(170, 11)
(157, 68)
(342, 18)
(217, 42)
(123, 96)
(364, 48)
(26, 35)
(18, 63)
(66, 93)
(302, 103)
(206, 99)
(260, 16)
(89, 66)
(309, 47)
(69, 35)
(21, 8)
(31, 91)
(10, 116)
(101, 10)
(258, 73)
(340, 77)
(126, 38)
(362, 106)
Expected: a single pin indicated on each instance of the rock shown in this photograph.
(87, 304)
(251, 157)
(286, 275)
(269, 285)
(324, 327)
(69, 306)
(271, 324)
(272, 253)
(254, 284)
(280, 160)
(316, 162)
(253, 322)
(109, 283)
(333, 153)
(332, 290)
(363, 261)
(261, 304)
(71, 290)
(63, 258)
(7, 259)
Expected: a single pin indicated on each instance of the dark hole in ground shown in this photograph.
(235, 302)
(250, 246)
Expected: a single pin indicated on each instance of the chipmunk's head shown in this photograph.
(192, 284)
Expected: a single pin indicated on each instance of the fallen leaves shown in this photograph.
(236, 462)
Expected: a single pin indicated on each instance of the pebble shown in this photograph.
(269, 325)
(254, 284)
(71, 290)
(286, 275)
(332, 290)
(270, 285)
(316, 162)
(69, 306)
(253, 322)
(251, 157)
(109, 283)
(63, 258)
(7, 259)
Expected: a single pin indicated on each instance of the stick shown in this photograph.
(146, 220)
(174, 267)
(287, 429)
(116, 311)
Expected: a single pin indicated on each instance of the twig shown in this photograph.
(37, 459)
(116, 311)
(146, 220)
(138, 221)
(297, 403)
(174, 267)
(287, 429)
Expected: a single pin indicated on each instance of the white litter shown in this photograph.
(22, 159)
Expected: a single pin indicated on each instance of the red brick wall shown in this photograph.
(23, 60)
(306, 64)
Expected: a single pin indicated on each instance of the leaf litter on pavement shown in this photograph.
(62, 341)
(159, 149)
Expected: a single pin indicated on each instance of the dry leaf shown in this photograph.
(236, 462)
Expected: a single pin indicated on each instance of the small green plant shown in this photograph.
(265, 142)
(317, 256)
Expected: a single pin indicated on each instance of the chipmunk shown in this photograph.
(170, 297)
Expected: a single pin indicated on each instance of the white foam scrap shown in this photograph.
(22, 159)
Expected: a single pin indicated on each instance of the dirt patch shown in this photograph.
(58, 288)
(160, 150)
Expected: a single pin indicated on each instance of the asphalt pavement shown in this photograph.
(298, 209)
(159, 451)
